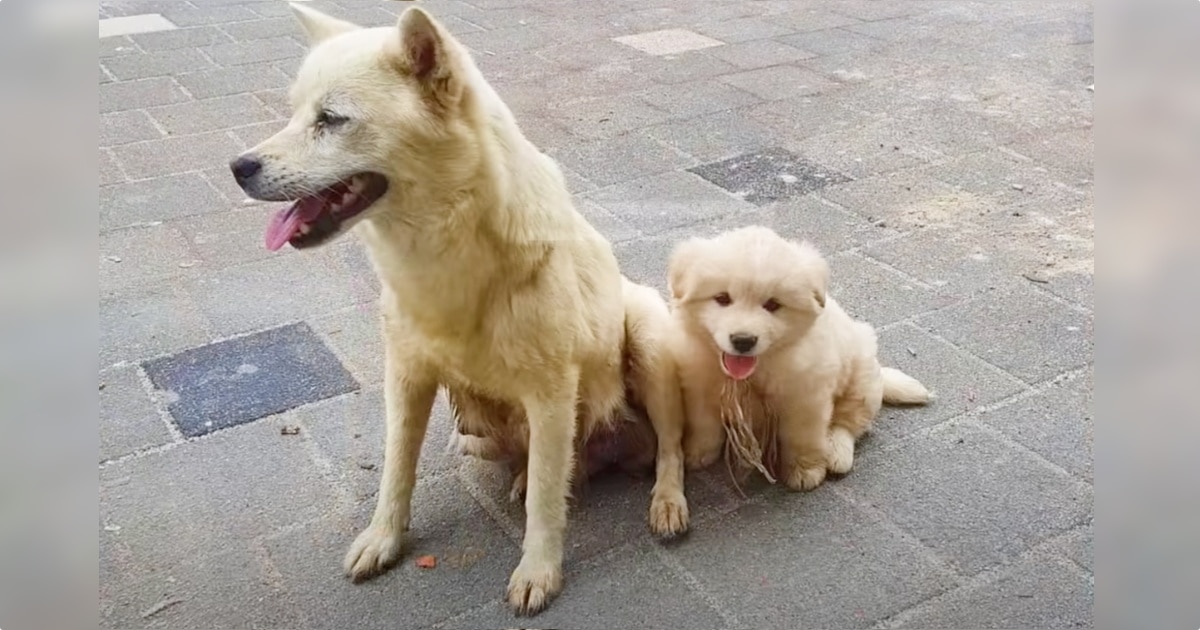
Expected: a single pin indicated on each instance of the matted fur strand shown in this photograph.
(746, 447)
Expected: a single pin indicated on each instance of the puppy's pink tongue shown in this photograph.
(738, 367)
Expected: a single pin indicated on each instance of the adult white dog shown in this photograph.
(494, 286)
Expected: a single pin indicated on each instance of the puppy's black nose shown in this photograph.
(743, 342)
(245, 167)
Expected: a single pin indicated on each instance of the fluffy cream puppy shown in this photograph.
(753, 316)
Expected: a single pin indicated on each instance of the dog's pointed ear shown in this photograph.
(319, 26)
(813, 259)
(423, 50)
(681, 266)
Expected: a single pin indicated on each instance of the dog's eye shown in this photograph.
(723, 299)
(772, 305)
(326, 118)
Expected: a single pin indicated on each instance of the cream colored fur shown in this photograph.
(494, 286)
(817, 369)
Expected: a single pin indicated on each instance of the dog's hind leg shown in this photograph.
(551, 412)
(408, 396)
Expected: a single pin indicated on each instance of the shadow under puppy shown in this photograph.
(773, 371)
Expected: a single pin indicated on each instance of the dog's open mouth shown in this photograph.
(738, 367)
(314, 219)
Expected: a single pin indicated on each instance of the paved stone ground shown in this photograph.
(939, 151)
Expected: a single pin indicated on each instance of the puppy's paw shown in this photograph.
(841, 451)
(374, 551)
(805, 479)
(697, 457)
(532, 585)
(668, 515)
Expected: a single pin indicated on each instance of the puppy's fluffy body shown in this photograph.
(753, 307)
(493, 286)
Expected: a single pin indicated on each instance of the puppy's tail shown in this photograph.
(902, 389)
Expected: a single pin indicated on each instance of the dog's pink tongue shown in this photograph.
(738, 367)
(286, 223)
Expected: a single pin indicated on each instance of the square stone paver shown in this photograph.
(246, 378)
(133, 24)
(668, 42)
(772, 174)
(128, 419)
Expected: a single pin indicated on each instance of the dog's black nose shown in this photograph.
(743, 342)
(245, 167)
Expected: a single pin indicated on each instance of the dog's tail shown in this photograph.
(902, 389)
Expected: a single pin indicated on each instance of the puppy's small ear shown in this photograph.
(681, 266)
(422, 46)
(319, 26)
(811, 258)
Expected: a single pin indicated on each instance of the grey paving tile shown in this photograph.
(231, 237)
(252, 135)
(573, 57)
(1002, 501)
(833, 41)
(759, 54)
(1076, 287)
(350, 432)
(177, 154)
(201, 499)
(661, 202)
(807, 116)
(770, 175)
(906, 194)
(185, 15)
(1042, 592)
(612, 160)
(614, 228)
(125, 127)
(222, 181)
(129, 420)
(355, 335)
(743, 29)
(235, 80)
(805, 19)
(255, 51)
(961, 262)
(830, 228)
(520, 67)
(148, 322)
(276, 100)
(1055, 423)
(860, 67)
(1077, 546)
(1068, 153)
(696, 98)
(474, 558)
(157, 64)
(592, 599)
(871, 10)
(212, 114)
(775, 560)
(117, 46)
(878, 294)
(715, 137)
(194, 37)
(240, 380)
(278, 27)
(600, 118)
(864, 149)
(779, 82)
(961, 382)
(683, 67)
(139, 94)
(157, 199)
(110, 173)
(217, 590)
(140, 256)
(1029, 335)
(284, 288)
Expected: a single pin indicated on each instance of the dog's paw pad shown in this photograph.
(374, 551)
(804, 479)
(668, 516)
(532, 586)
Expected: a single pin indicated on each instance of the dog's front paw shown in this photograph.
(804, 479)
(668, 515)
(532, 585)
(374, 551)
(841, 451)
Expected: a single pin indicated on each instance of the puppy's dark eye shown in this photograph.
(772, 305)
(326, 118)
(723, 299)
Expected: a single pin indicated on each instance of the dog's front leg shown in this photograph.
(408, 396)
(664, 405)
(704, 434)
(803, 436)
(551, 413)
